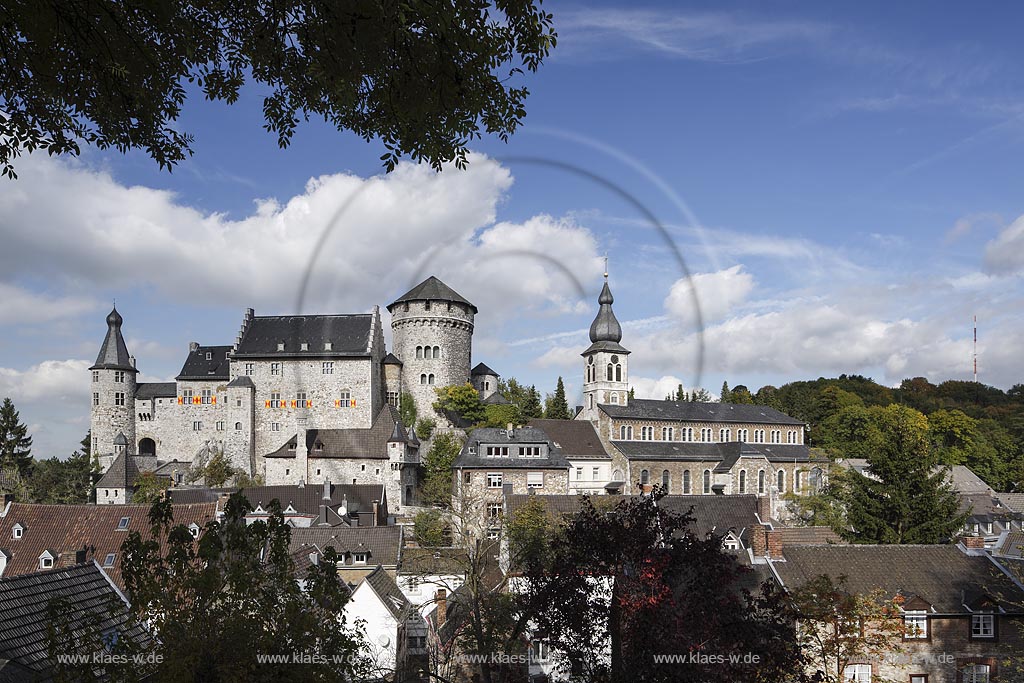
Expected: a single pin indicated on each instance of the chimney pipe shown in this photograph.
(441, 599)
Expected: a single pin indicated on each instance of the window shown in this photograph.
(119, 376)
(597, 473)
(539, 651)
(250, 368)
(667, 433)
(741, 434)
(197, 426)
(647, 433)
(705, 434)
(206, 397)
(618, 372)
(614, 398)
(724, 435)
(975, 673)
(328, 346)
(119, 398)
(275, 368)
(686, 481)
(707, 481)
(393, 398)
(493, 534)
(494, 480)
(666, 480)
(275, 426)
(610, 372)
(238, 426)
(275, 399)
(122, 525)
(327, 368)
(534, 480)
(688, 434)
(193, 530)
(18, 531)
(915, 625)
(529, 451)
(983, 626)
(359, 558)
(220, 426)
(468, 477)
(95, 375)
(760, 482)
(743, 481)
(430, 378)
(780, 481)
(626, 432)
(579, 474)
(45, 562)
(423, 378)
(95, 398)
(108, 561)
(857, 673)
(797, 481)
(186, 396)
(497, 451)
(494, 510)
(487, 385)
(918, 678)
(437, 352)
(419, 352)
(300, 399)
(304, 346)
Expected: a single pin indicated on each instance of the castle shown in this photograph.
(305, 397)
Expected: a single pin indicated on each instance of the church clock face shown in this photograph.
(615, 359)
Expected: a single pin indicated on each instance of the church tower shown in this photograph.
(432, 335)
(605, 370)
(113, 395)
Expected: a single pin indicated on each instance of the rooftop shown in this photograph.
(206, 362)
(361, 442)
(653, 409)
(432, 289)
(346, 335)
(576, 438)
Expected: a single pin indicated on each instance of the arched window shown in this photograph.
(689, 433)
(741, 434)
(760, 482)
(437, 352)
(590, 400)
(238, 426)
(666, 479)
(707, 481)
(724, 435)
(626, 432)
(797, 481)
(419, 352)
(645, 477)
(743, 481)
(609, 372)
(614, 398)
(817, 479)
(423, 378)
(686, 481)
(430, 378)
(618, 373)
(780, 481)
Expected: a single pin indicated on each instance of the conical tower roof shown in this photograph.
(114, 353)
(432, 289)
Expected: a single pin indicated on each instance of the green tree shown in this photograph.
(907, 497)
(531, 407)
(424, 78)
(407, 409)
(461, 400)
(499, 415)
(741, 395)
(425, 427)
(558, 407)
(436, 488)
(852, 432)
(726, 395)
(15, 443)
(700, 395)
(237, 581)
(216, 472)
(148, 489)
(430, 529)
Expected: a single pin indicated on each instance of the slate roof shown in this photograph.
(306, 499)
(808, 535)
(392, 359)
(727, 453)
(496, 399)
(710, 513)
(942, 575)
(432, 289)
(434, 561)
(521, 435)
(88, 594)
(482, 369)
(184, 495)
(1014, 501)
(653, 409)
(389, 593)
(113, 353)
(1013, 545)
(197, 367)
(242, 381)
(362, 443)
(985, 507)
(150, 390)
(383, 544)
(68, 528)
(606, 327)
(122, 474)
(576, 438)
(350, 336)
(966, 481)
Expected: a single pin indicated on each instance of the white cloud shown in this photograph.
(56, 380)
(646, 387)
(21, 306)
(717, 294)
(1005, 253)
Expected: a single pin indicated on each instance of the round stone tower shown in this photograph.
(432, 334)
(112, 395)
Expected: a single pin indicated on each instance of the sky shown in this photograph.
(783, 192)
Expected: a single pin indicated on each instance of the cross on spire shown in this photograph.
(606, 266)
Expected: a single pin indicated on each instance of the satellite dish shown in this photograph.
(384, 640)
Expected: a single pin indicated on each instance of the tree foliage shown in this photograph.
(556, 407)
(436, 488)
(65, 481)
(217, 604)
(460, 400)
(407, 409)
(525, 398)
(423, 77)
(15, 442)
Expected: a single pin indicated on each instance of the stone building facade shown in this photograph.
(291, 375)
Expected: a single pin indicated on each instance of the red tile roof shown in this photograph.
(67, 528)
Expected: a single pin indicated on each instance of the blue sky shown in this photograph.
(842, 181)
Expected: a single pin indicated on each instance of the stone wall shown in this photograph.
(108, 419)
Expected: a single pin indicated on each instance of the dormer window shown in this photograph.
(359, 558)
(17, 531)
(193, 529)
(108, 561)
(280, 346)
(304, 346)
(46, 560)
(209, 356)
(916, 625)
(328, 346)
(123, 524)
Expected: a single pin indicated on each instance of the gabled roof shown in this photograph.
(520, 436)
(391, 596)
(432, 289)
(382, 544)
(391, 359)
(942, 575)
(482, 369)
(496, 399)
(349, 335)
(364, 443)
(197, 367)
(149, 390)
(306, 500)
(1014, 501)
(807, 535)
(242, 381)
(726, 453)
(123, 474)
(113, 353)
(68, 528)
(576, 438)
(91, 600)
(653, 409)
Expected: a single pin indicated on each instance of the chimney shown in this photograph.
(314, 558)
(758, 540)
(774, 543)
(8, 499)
(764, 509)
(374, 513)
(132, 360)
(973, 542)
(441, 599)
(80, 555)
(193, 347)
